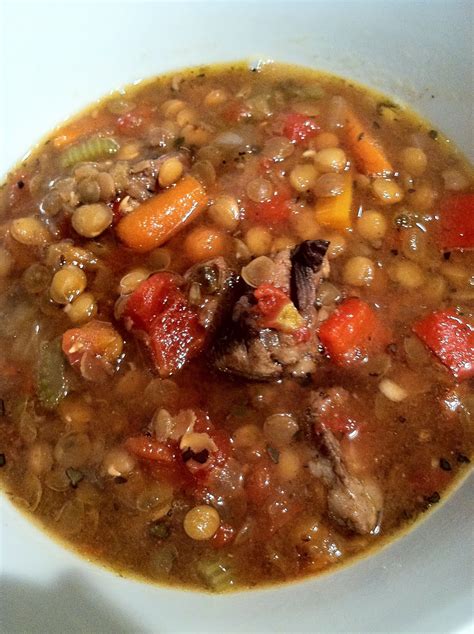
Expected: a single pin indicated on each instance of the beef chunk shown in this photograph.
(246, 349)
(353, 501)
(210, 287)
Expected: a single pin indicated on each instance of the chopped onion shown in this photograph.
(162, 424)
(229, 138)
(337, 112)
(392, 390)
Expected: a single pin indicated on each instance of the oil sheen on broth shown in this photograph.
(237, 326)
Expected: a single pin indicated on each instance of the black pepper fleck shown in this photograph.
(20, 184)
(394, 251)
(445, 464)
(120, 480)
(3, 460)
(433, 134)
(402, 419)
(2, 407)
(447, 255)
(462, 459)
(434, 498)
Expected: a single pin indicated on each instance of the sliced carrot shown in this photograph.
(369, 154)
(157, 219)
(335, 211)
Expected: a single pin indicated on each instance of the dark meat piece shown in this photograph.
(210, 287)
(306, 272)
(352, 501)
(246, 349)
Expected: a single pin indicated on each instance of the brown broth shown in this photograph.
(415, 449)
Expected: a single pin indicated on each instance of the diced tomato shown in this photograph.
(353, 331)
(224, 536)
(270, 300)
(275, 210)
(279, 312)
(133, 121)
(451, 339)
(299, 128)
(149, 300)
(96, 337)
(175, 336)
(258, 483)
(159, 309)
(457, 222)
(147, 448)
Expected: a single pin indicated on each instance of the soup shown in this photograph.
(237, 326)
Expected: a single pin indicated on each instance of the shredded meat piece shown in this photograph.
(215, 281)
(247, 350)
(353, 501)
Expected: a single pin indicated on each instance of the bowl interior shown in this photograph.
(57, 58)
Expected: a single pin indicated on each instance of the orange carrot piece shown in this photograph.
(369, 155)
(157, 219)
(73, 131)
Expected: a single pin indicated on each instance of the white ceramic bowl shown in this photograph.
(56, 58)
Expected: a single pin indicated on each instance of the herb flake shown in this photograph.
(386, 104)
(434, 498)
(75, 476)
(159, 530)
(274, 454)
(444, 464)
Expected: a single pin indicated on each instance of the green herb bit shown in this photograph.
(386, 104)
(159, 530)
(273, 453)
(94, 149)
(216, 574)
(75, 476)
(52, 384)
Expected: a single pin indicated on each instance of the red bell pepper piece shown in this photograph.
(353, 331)
(457, 222)
(160, 310)
(299, 128)
(451, 339)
